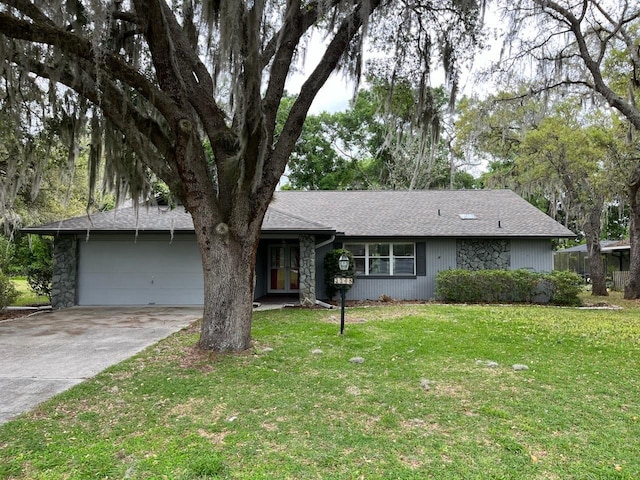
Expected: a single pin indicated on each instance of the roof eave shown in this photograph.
(83, 231)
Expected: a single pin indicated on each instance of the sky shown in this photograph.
(338, 91)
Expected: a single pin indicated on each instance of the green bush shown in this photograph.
(332, 270)
(40, 279)
(8, 293)
(567, 286)
(507, 286)
(40, 268)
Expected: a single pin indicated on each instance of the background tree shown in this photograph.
(591, 48)
(38, 173)
(373, 144)
(563, 156)
(491, 132)
(165, 84)
(558, 156)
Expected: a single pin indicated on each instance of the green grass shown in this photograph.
(288, 413)
(27, 297)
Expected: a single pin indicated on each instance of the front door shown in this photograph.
(284, 264)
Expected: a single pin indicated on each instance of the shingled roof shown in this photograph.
(417, 213)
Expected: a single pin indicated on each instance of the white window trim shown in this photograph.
(391, 257)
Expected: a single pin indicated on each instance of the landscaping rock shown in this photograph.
(356, 360)
(519, 367)
(487, 363)
(425, 384)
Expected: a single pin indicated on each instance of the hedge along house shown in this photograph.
(400, 240)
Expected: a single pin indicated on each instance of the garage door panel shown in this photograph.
(141, 296)
(149, 281)
(121, 272)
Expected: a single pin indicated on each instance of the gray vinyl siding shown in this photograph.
(399, 288)
(534, 254)
(440, 255)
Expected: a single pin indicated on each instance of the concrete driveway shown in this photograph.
(47, 353)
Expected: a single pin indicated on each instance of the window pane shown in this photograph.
(359, 265)
(357, 250)
(294, 280)
(379, 250)
(403, 266)
(378, 266)
(403, 249)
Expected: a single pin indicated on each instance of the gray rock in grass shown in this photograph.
(487, 363)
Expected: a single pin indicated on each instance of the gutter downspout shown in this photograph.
(326, 242)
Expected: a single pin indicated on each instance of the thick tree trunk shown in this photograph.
(228, 262)
(592, 228)
(632, 288)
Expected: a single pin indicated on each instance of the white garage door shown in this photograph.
(143, 272)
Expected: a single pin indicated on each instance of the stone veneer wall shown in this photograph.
(65, 272)
(307, 270)
(483, 254)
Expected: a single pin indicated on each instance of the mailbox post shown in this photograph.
(343, 281)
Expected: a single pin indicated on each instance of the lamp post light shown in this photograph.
(343, 264)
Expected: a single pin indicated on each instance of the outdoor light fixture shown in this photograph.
(343, 281)
(343, 262)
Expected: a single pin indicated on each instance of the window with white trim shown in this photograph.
(383, 258)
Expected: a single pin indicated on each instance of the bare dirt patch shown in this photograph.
(10, 314)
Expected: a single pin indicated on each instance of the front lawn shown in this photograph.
(436, 396)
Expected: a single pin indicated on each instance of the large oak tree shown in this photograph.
(588, 47)
(164, 83)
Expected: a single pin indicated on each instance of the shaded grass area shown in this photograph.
(27, 297)
(423, 404)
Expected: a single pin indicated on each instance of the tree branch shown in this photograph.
(115, 105)
(78, 47)
(293, 125)
(288, 39)
(616, 101)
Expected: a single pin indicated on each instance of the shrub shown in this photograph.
(39, 278)
(566, 287)
(486, 286)
(8, 293)
(508, 286)
(40, 268)
(331, 270)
